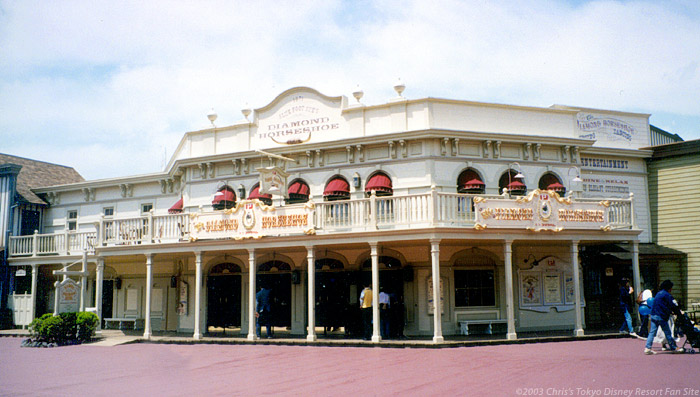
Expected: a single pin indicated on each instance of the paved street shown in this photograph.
(590, 367)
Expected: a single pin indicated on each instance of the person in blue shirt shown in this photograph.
(263, 311)
(626, 306)
(661, 310)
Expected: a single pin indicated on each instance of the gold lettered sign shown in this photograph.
(253, 219)
(541, 210)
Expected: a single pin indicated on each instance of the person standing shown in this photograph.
(626, 292)
(366, 306)
(661, 310)
(644, 312)
(384, 305)
(263, 310)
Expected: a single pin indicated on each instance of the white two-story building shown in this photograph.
(491, 210)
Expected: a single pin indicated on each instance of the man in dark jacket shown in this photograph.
(661, 310)
(626, 307)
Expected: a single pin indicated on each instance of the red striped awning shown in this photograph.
(380, 183)
(557, 187)
(177, 207)
(299, 188)
(224, 195)
(337, 187)
(255, 194)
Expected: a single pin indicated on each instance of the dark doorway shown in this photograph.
(224, 296)
(332, 294)
(107, 298)
(601, 276)
(391, 280)
(277, 276)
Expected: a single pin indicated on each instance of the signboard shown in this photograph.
(301, 115)
(182, 299)
(273, 180)
(253, 219)
(68, 296)
(540, 210)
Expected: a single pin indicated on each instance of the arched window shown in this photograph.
(255, 194)
(274, 266)
(550, 181)
(337, 189)
(474, 279)
(328, 264)
(224, 198)
(515, 185)
(469, 181)
(298, 192)
(224, 268)
(380, 183)
(385, 262)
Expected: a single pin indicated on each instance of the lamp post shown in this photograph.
(576, 182)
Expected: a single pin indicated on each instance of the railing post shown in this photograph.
(632, 221)
(35, 242)
(150, 226)
(101, 231)
(433, 209)
(66, 243)
(373, 210)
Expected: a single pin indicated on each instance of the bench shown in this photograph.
(464, 325)
(120, 323)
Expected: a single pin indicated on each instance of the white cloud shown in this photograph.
(128, 79)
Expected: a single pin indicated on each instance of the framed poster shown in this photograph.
(552, 288)
(569, 289)
(530, 289)
(431, 307)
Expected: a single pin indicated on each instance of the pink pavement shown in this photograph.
(590, 367)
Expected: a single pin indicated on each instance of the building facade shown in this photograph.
(22, 213)
(491, 210)
(675, 210)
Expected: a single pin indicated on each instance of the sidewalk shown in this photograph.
(283, 338)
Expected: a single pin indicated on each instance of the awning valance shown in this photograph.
(472, 185)
(516, 186)
(337, 187)
(380, 183)
(255, 194)
(557, 187)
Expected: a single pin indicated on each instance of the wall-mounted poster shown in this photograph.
(552, 288)
(569, 288)
(530, 289)
(182, 299)
(431, 307)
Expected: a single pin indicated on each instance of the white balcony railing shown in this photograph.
(432, 209)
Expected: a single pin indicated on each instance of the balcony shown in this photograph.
(425, 210)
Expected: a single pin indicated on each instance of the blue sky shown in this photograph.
(110, 87)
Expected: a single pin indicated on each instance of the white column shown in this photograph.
(437, 302)
(578, 331)
(197, 295)
(83, 282)
(635, 272)
(149, 288)
(251, 295)
(311, 336)
(510, 311)
(35, 277)
(376, 336)
(99, 279)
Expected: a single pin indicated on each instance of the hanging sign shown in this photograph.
(253, 219)
(273, 180)
(21, 273)
(541, 210)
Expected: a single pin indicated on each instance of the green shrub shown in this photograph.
(66, 328)
(86, 323)
(53, 330)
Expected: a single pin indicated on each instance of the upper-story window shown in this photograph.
(146, 208)
(255, 194)
(469, 181)
(337, 189)
(72, 220)
(511, 180)
(224, 198)
(550, 181)
(298, 192)
(108, 212)
(379, 183)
